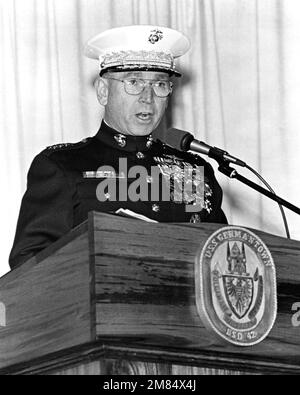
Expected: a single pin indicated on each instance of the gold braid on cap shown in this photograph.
(137, 58)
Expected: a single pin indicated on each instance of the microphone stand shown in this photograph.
(232, 173)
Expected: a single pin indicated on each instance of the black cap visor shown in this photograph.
(115, 69)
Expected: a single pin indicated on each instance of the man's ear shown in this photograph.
(101, 86)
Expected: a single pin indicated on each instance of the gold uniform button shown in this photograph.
(195, 219)
(140, 155)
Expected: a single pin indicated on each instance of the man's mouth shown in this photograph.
(144, 116)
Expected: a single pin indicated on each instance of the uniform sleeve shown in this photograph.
(217, 217)
(46, 210)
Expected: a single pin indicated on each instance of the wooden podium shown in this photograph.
(117, 296)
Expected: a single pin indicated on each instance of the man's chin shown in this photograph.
(141, 130)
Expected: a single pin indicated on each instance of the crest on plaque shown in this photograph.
(236, 286)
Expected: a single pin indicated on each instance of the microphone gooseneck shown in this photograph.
(185, 141)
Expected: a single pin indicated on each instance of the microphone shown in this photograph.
(185, 141)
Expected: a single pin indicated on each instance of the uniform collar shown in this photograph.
(122, 142)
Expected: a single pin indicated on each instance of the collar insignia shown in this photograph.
(149, 141)
(121, 140)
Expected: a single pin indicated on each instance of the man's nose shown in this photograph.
(147, 94)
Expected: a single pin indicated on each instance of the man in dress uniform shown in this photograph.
(66, 181)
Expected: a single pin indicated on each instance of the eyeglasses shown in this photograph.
(135, 86)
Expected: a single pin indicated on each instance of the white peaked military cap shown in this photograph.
(138, 47)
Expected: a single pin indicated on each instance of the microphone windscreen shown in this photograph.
(178, 139)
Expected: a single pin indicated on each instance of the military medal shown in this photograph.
(187, 183)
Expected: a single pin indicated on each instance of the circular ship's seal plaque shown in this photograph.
(236, 286)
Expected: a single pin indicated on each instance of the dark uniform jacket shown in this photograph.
(66, 181)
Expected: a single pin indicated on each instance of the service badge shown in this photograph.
(155, 36)
(236, 286)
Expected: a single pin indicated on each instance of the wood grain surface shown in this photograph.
(146, 294)
(120, 367)
(116, 359)
(117, 296)
(48, 306)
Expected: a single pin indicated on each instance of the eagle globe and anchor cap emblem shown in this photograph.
(155, 36)
(236, 286)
